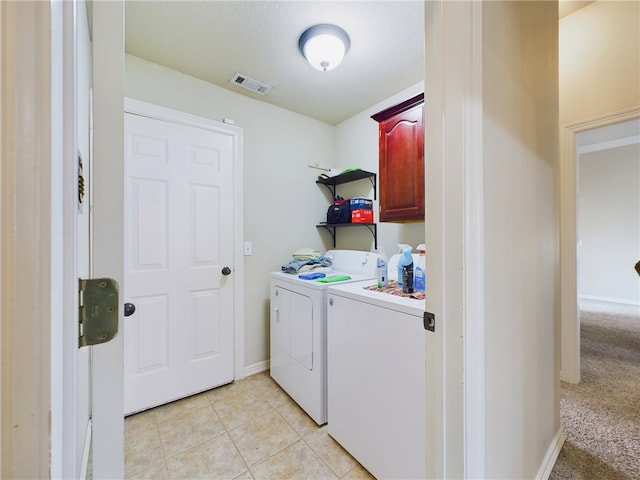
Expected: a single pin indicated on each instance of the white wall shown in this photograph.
(520, 161)
(609, 224)
(30, 155)
(357, 146)
(599, 60)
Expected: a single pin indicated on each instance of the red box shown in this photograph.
(362, 215)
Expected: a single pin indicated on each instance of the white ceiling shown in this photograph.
(211, 40)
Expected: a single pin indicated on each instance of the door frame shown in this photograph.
(569, 311)
(69, 452)
(138, 107)
(107, 23)
(455, 368)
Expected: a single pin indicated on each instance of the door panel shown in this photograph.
(152, 316)
(149, 201)
(302, 330)
(206, 333)
(178, 198)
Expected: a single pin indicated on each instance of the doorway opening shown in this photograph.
(617, 130)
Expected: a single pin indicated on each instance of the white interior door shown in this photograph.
(178, 218)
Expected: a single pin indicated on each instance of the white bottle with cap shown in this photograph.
(382, 267)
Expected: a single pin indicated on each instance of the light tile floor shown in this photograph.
(250, 429)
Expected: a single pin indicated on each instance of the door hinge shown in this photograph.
(429, 320)
(97, 310)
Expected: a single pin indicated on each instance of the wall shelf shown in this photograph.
(352, 176)
(331, 183)
(331, 228)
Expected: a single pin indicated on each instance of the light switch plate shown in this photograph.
(248, 248)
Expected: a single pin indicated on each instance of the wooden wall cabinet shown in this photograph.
(401, 161)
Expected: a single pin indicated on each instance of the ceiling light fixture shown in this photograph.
(324, 46)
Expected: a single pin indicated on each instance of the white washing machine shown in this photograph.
(376, 379)
(299, 329)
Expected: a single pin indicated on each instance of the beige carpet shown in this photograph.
(601, 415)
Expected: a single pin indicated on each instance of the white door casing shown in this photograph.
(569, 312)
(80, 175)
(180, 213)
(107, 420)
(72, 241)
(455, 356)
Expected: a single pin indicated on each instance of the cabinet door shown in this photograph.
(401, 162)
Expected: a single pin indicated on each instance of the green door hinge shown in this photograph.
(98, 310)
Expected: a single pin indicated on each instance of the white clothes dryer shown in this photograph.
(299, 329)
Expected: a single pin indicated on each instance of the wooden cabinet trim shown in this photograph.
(401, 107)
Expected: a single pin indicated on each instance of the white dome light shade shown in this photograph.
(324, 52)
(324, 46)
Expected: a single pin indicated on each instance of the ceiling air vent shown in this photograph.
(250, 84)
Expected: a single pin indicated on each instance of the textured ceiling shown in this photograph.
(211, 40)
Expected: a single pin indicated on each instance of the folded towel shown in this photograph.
(316, 267)
(295, 266)
(335, 278)
(306, 254)
(311, 276)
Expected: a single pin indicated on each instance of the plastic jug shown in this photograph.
(381, 267)
(405, 271)
(420, 273)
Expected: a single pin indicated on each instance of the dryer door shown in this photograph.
(297, 345)
(292, 328)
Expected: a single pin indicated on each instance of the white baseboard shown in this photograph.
(613, 300)
(256, 368)
(551, 456)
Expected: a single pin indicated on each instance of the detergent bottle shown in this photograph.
(405, 271)
(420, 274)
(401, 248)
